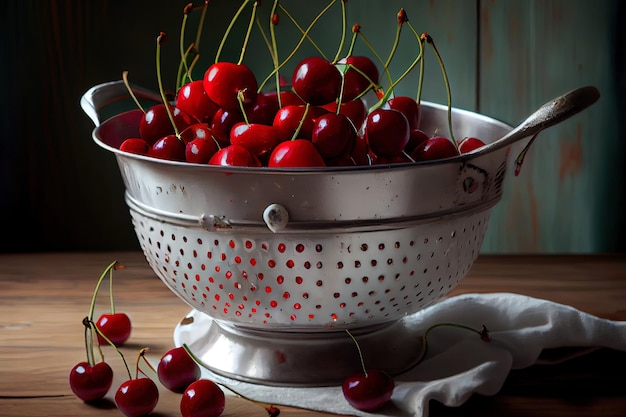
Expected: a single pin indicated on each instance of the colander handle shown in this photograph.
(102, 95)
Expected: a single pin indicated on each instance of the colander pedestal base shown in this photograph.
(311, 358)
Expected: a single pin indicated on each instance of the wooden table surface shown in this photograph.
(44, 297)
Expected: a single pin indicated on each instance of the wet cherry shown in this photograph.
(90, 383)
(316, 81)
(203, 398)
(177, 370)
(137, 397)
(115, 326)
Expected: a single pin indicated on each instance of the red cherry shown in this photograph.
(199, 151)
(234, 155)
(177, 370)
(203, 398)
(193, 100)
(355, 110)
(368, 391)
(470, 144)
(225, 81)
(116, 327)
(416, 137)
(155, 123)
(137, 397)
(135, 145)
(288, 119)
(289, 98)
(90, 383)
(169, 147)
(259, 139)
(264, 109)
(332, 134)
(436, 147)
(223, 122)
(408, 107)
(297, 153)
(356, 84)
(316, 81)
(196, 131)
(387, 132)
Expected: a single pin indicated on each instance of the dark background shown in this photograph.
(59, 191)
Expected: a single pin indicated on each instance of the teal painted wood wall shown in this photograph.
(504, 59)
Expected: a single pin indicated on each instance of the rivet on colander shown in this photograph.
(275, 217)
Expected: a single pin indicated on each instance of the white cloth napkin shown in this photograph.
(458, 363)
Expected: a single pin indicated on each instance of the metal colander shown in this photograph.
(292, 257)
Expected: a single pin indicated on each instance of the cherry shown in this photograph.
(354, 83)
(91, 382)
(288, 98)
(297, 153)
(196, 131)
(223, 122)
(259, 139)
(203, 398)
(469, 144)
(234, 155)
(332, 134)
(436, 147)
(177, 370)
(355, 110)
(169, 147)
(316, 81)
(264, 109)
(115, 326)
(155, 122)
(416, 137)
(368, 391)
(387, 132)
(199, 151)
(407, 106)
(135, 145)
(293, 117)
(193, 100)
(227, 83)
(137, 397)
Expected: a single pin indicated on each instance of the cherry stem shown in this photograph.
(201, 23)
(88, 342)
(130, 90)
(106, 339)
(181, 44)
(396, 41)
(343, 31)
(295, 49)
(184, 71)
(229, 28)
(358, 348)
(161, 39)
(373, 50)
(247, 38)
(240, 100)
(304, 115)
(111, 291)
(430, 40)
(97, 289)
(420, 82)
(270, 408)
(274, 52)
(140, 356)
(520, 158)
(303, 32)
